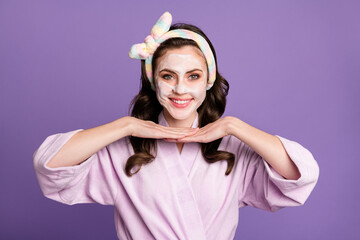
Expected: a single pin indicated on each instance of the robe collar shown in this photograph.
(162, 121)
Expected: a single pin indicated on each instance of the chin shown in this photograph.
(178, 115)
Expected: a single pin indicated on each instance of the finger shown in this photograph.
(193, 132)
(181, 130)
(188, 139)
(170, 134)
(193, 138)
(177, 137)
(201, 137)
(152, 125)
(160, 133)
(170, 140)
(153, 130)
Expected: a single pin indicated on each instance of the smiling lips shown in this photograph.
(181, 103)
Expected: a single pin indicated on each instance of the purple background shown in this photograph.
(293, 68)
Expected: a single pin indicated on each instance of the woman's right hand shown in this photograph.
(85, 143)
(148, 129)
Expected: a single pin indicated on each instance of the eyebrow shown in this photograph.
(168, 70)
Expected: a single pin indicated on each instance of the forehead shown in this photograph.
(185, 54)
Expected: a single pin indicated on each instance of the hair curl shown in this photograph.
(145, 106)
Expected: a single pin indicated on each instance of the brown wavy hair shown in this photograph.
(145, 106)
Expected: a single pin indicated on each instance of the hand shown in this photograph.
(149, 129)
(210, 132)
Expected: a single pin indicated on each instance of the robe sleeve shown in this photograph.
(264, 188)
(92, 181)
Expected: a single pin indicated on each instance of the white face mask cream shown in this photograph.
(181, 82)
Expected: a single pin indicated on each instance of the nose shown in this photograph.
(180, 88)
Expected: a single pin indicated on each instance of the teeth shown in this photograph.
(180, 101)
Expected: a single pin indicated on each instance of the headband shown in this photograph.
(159, 33)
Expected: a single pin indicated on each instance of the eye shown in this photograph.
(194, 76)
(167, 76)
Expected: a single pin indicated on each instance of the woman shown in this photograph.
(175, 169)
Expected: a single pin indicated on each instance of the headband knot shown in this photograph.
(151, 44)
(159, 33)
(144, 50)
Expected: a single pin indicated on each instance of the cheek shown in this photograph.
(198, 91)
(163, 89)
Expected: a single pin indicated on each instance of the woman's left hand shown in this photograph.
(210, 132)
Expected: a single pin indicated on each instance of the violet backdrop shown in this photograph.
(293, 69)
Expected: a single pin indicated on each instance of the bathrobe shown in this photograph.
(178, 195)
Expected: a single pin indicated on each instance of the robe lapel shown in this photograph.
(190, 150)
(178, 167)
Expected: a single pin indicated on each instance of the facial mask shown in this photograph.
(180, 64)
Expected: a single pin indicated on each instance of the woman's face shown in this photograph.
(181, 80)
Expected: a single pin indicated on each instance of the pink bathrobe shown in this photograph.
(177, 196)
